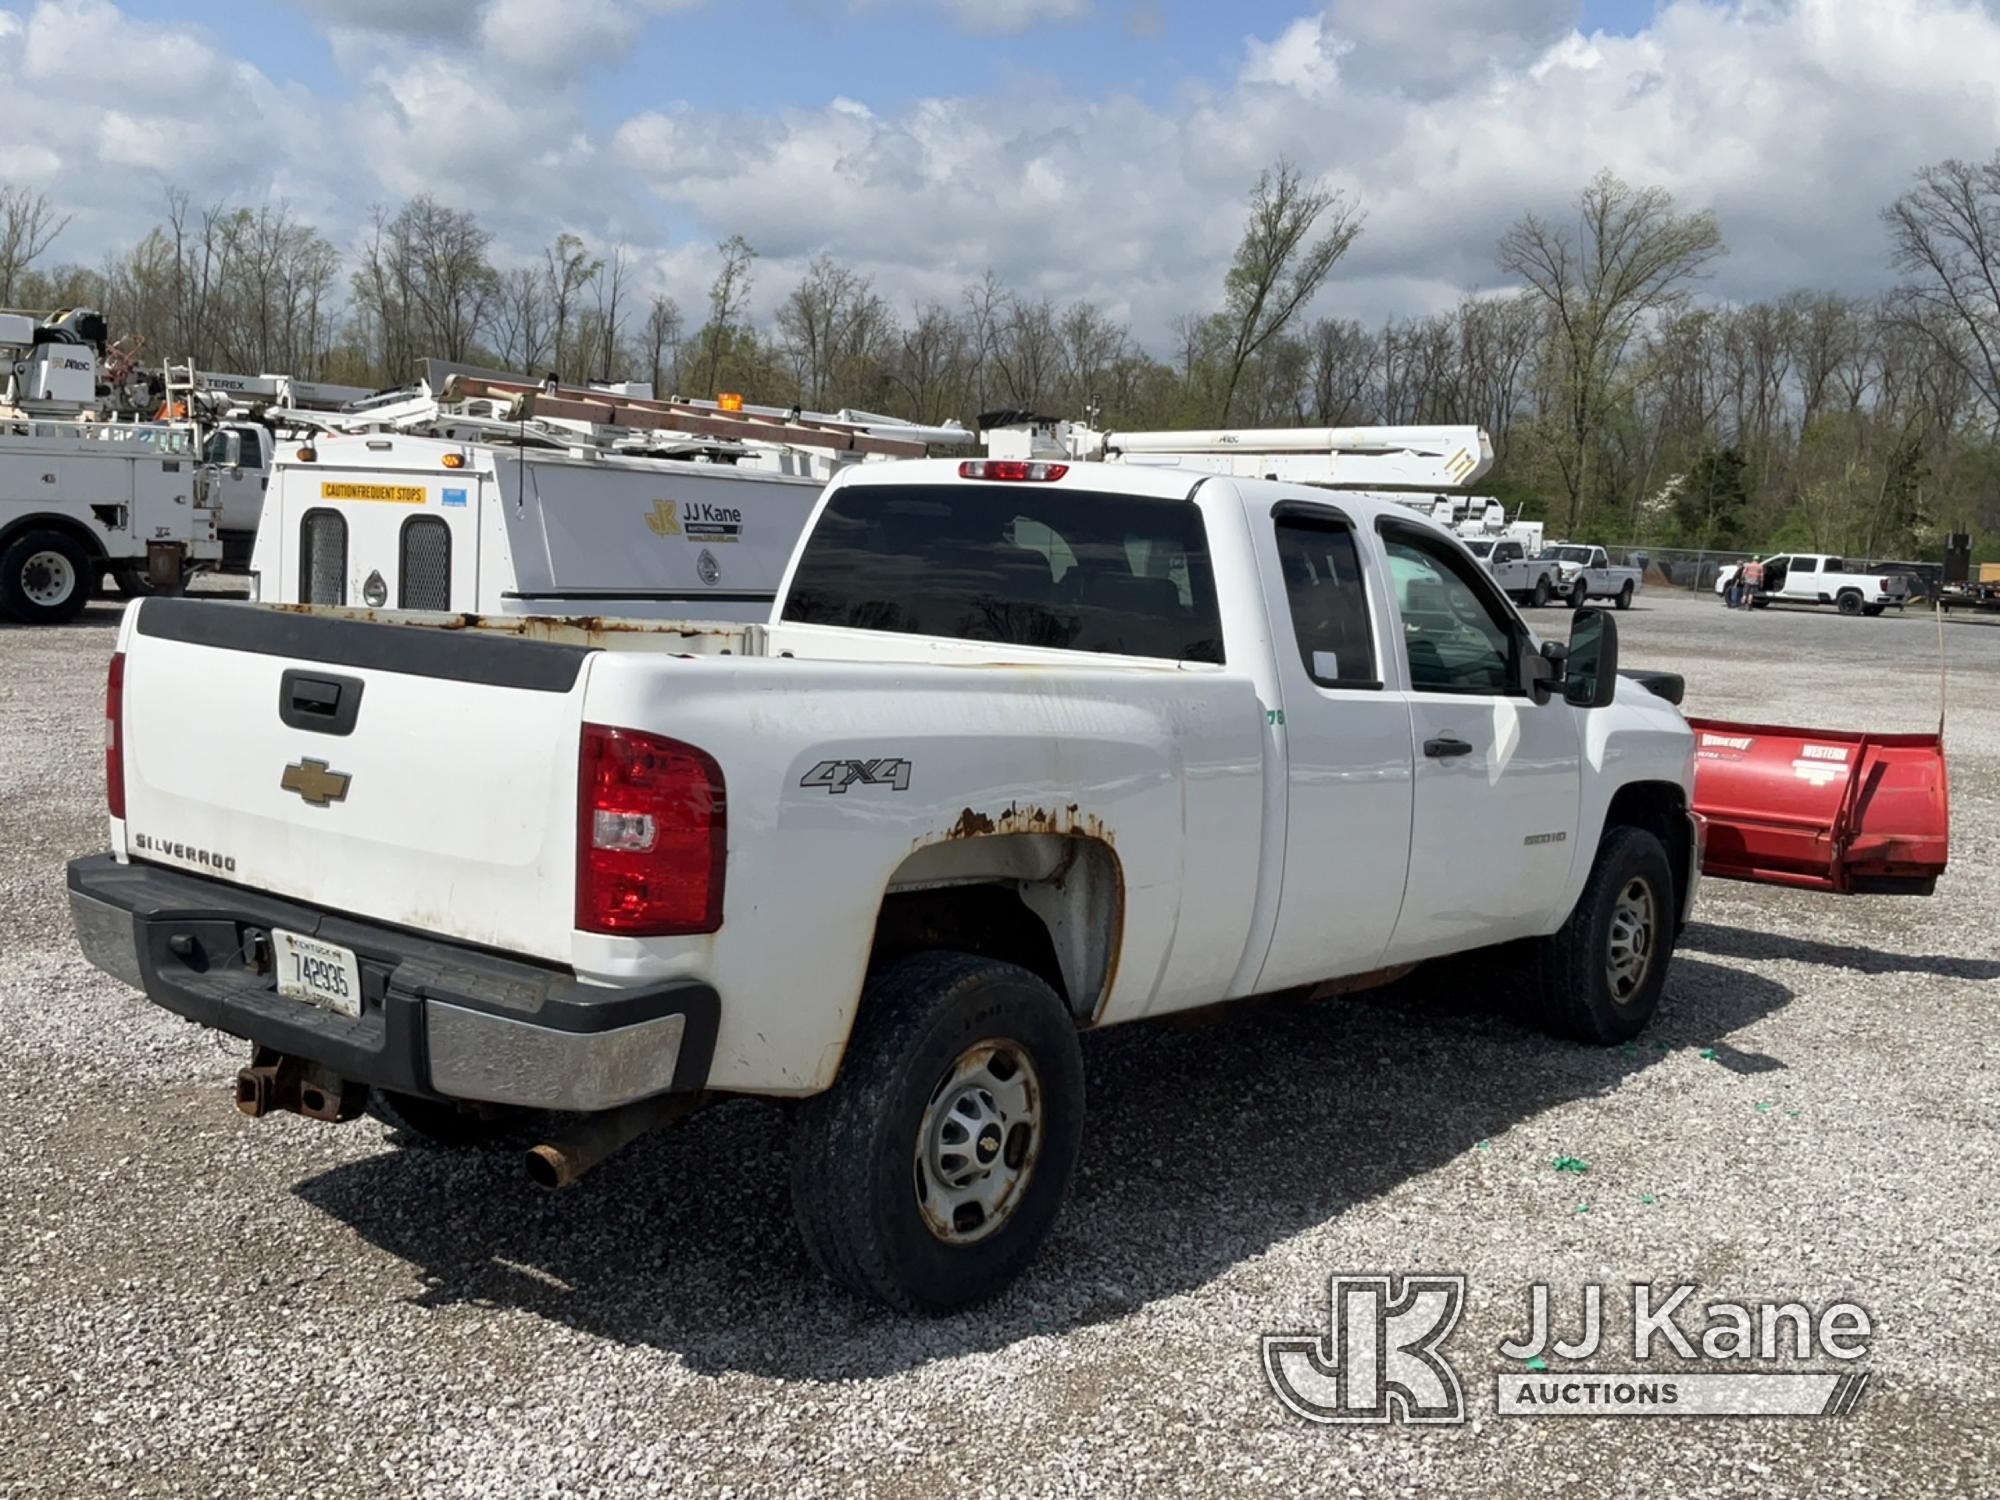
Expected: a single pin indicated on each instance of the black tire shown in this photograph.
(1542, 592)
(1579, 594)
(1849, 602)
(857, 1163)
(1873, 610)
(46, 578)
(133, 583)
(1625, 595)
(1569, 986)
(446, 1123)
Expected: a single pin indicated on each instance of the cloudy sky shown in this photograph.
(1095, 148)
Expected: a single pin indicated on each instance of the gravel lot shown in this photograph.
(191, 1301)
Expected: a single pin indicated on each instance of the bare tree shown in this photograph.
(1945, 238)
(1276, 271)
(662, 343)
(1628, 258)
(728, 295)
(28, 226)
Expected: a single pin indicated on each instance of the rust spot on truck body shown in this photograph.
(1016, 817)
(564, 628)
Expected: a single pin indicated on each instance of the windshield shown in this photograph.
(1480, 549)
(1567, 554)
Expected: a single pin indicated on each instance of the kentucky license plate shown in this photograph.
(317, 972)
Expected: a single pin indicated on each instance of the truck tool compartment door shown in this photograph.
(1347, 746)
(388, 539)
(422, 777)
(1498, 777)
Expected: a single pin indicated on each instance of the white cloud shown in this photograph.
(1795, 121)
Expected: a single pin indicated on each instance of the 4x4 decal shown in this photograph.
(838, 775)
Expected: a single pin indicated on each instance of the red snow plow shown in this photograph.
(1823, 810)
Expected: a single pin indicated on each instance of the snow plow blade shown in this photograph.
(1822, 810)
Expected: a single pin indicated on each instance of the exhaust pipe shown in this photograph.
(557, 1163)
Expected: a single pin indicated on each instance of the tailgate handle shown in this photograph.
(319, 702)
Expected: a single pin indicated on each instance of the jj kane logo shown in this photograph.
(696, 520)
(1381, 1357)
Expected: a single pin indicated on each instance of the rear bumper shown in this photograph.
(437, 1018)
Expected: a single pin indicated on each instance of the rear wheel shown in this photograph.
(46, 578)
(1598, 978)
(1625, 595)
(1872, 610)
(929, 1174)
(450, 1123)
(133, 583)
(1849, 602)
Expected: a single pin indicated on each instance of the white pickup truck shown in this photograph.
(1524, 579)
(1587, 573)
(1025, 749)
(1821, 578)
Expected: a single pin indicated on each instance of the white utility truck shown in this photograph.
(1587, 573)
(500, 497)
(1821, 578)
(1525, 579)
(81, 496)
(1026, 747)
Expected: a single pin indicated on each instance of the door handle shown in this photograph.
(1445, 746)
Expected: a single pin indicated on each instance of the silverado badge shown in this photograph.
(316, 781)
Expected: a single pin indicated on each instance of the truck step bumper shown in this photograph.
(436, 1018)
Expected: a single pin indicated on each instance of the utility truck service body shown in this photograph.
(1025, 747)
(419, 523)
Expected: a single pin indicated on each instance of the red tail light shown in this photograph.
(114, 735)
(1010, 468)
(650, 835)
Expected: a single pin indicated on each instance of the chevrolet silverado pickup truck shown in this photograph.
(1819, 578)
(1586, 573)
(1025, 748)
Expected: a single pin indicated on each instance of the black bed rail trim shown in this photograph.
(411, 650)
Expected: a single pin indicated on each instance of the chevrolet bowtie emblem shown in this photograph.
(316, 781)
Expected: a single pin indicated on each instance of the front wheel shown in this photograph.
(1542, 592)
(1625, 595)
(1579, 593)
(46, 578)
(1598, 978)
(929, 1174)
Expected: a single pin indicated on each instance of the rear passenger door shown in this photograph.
(1498, 776)
(1347, 749)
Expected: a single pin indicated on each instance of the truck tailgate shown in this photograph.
(423, 777)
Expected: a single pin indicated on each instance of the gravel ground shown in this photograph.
(191, 1301)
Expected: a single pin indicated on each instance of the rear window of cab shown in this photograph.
(1024, 564)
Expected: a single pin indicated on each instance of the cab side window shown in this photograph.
(1804, 564)
(1329, 601)
(1455, 638)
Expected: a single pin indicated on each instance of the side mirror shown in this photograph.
(1542, 671)
(1591, 680)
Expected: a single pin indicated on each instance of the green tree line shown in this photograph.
(1623, 405)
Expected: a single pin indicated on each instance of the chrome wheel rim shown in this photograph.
(1628, 956)
(978, 1142)
(48, 578)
